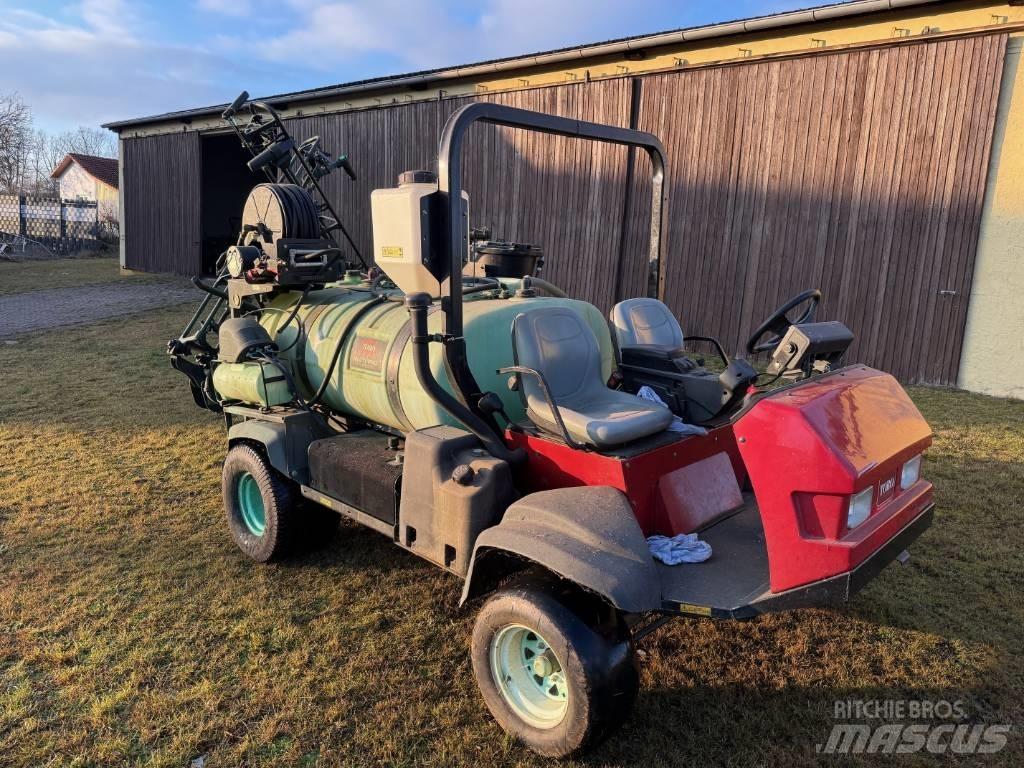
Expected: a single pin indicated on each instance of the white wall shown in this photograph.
(993, 353)
(76, 184)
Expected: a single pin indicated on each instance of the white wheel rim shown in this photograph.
(529, 676)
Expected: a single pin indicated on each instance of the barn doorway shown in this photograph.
(226, 182)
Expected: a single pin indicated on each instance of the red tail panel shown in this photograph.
(809, 448)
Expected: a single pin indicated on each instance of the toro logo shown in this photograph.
(367, 354)
(886, 487)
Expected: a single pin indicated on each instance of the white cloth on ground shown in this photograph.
(684, 548)
(677, 425)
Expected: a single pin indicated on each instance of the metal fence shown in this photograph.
(61, 226)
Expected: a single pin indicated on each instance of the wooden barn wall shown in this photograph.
(859, 173)
(162, 203)
(564, 194)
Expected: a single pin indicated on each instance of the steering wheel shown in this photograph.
(779, 322)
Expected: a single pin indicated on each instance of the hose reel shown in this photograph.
(281, 239)
(276, 211)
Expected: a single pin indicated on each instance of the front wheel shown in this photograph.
(260, 504)
(550, 679)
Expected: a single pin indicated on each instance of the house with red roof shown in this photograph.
(90, 178)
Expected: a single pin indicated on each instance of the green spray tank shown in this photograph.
(374, 377)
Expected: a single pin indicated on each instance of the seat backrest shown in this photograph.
(558, 343)
(645, 322)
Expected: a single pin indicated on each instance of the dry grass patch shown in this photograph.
(19, 277)
(135, 634)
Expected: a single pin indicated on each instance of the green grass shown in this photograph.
(132, 632)
(19, 277)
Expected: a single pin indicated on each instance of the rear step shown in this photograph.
(734, 576)
(358, 516)
(734, 583)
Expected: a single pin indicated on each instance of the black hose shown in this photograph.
(198, 283)
(418, 304)
(298, 336)
(467, 290)
(549, 288)
(288, 320)
(375, 301)
(295, 309)
(277, 363)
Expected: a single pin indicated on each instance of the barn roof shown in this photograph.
(100, 168)
(821, 13)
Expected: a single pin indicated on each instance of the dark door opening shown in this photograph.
(226, 182)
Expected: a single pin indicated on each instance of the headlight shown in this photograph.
(860, 507)
(911, 472)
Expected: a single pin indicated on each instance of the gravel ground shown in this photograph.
(42, 310)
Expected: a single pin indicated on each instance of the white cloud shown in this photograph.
(99, 67)
(108, 18)
(226, 7)
(428, 34)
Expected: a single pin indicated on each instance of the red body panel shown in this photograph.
(807, 449)
(552, 464)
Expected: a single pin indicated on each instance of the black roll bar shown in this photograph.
(451, 242)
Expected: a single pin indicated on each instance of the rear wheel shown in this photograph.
(260, 504)
(552, 680)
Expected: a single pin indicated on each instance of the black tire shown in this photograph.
(599, 670)
(279, 502)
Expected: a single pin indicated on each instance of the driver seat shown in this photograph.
(648, 335)
(558, 345)
(646, 323)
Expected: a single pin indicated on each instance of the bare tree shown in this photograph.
(16, 140)
(87, 141)
(46, 154)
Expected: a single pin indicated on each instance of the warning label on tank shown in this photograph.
(367, 354)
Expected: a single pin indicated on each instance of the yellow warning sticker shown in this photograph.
(700, 610)
(391, 252)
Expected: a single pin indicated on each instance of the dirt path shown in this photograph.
(41, 310)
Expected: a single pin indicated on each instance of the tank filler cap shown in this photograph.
(416, 177)
(463, 474)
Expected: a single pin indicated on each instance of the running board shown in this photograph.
(349, 511)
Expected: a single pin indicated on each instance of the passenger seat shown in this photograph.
(557, 343)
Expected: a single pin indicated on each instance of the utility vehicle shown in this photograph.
(448, 397)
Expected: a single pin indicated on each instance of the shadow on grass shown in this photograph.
(733, 724)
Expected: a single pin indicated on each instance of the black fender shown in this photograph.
(273, 438)
(588, 535)
(285, 441)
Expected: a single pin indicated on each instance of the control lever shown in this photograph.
(343, 163)
(273, 154)
(235, 105)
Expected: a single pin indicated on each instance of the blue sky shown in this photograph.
(84, 62)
